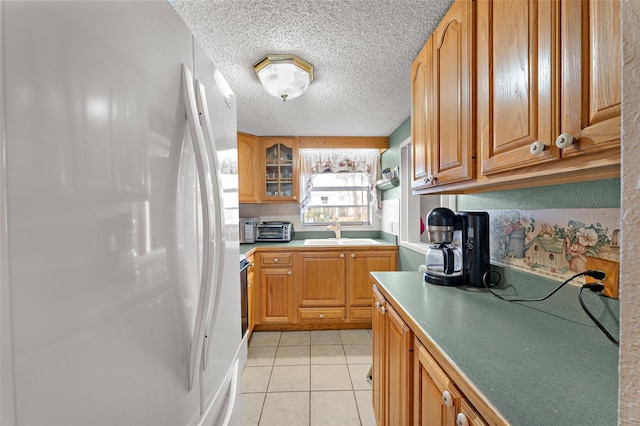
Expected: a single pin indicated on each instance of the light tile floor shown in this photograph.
(308, 378)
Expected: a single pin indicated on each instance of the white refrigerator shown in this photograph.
(119, 291)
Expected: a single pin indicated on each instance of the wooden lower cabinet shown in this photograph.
(409, 385)
(392, 365)
(398, 352)
(360, 263)
(276, 295)
(437, 399)
(320, 291)
(276, 287)
(379, 359)
(317, 288)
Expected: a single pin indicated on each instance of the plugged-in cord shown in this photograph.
(597, 287)
(592, 273)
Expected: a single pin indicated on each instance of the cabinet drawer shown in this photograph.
(320, 314)
(276, 259)
(360, 314)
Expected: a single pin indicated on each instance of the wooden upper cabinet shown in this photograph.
(590, 75)
(421, 70)
(443, 113)
(279, 169)
(515, 71)
(248, 166)
(452, 91)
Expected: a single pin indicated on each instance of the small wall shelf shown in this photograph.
(384, 184)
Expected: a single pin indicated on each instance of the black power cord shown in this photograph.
(598, 275)
(597, 287)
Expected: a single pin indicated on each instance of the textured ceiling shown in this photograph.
(361, 51)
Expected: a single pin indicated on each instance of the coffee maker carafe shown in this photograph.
(459, 254)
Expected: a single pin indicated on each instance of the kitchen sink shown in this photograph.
(332, 242)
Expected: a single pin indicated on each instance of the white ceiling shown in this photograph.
(361, 51)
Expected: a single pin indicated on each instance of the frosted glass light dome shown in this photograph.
(284, 76)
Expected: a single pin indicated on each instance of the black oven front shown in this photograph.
(244, 308)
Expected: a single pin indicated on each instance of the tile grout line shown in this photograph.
(347, 364)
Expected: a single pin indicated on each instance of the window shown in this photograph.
(339, 197)
(338, 186)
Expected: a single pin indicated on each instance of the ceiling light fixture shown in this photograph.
(284, 76)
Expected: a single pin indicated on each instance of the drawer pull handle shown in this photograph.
(447, 399)
(321, 315)
(276, 260)
(461, 420)
(537, 147)
(565, 140)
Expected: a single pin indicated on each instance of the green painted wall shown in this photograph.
(596, 194)
(391, 157)
(409, 260)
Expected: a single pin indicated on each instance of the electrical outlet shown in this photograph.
(611, 281)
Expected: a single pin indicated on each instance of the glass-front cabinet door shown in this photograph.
(280, 174)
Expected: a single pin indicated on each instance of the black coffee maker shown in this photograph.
(459, 254)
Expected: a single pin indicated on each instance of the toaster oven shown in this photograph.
(274, 231)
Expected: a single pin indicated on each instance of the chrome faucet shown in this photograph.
(335, 228)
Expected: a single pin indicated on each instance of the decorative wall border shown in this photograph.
(554, 243)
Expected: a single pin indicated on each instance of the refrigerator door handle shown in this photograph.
(203, 171)
(232, 394)
(234, 371)
(218, 264)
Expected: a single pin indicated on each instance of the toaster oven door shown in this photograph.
(270, 232)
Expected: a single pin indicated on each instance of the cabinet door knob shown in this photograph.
(341, 254)
(461, 420)
(565, 140)
(377, 304)
(353, 255)
(447, 399)
(383, 309)
(537, 147)
(295, 198)
(276, 260)
(289, 273)
(321, 315)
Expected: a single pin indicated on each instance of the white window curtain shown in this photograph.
(314, 161)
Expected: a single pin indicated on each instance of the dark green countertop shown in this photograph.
(536, 364)
(298, 242)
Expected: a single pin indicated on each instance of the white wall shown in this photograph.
(291, 213)
(629, 367)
